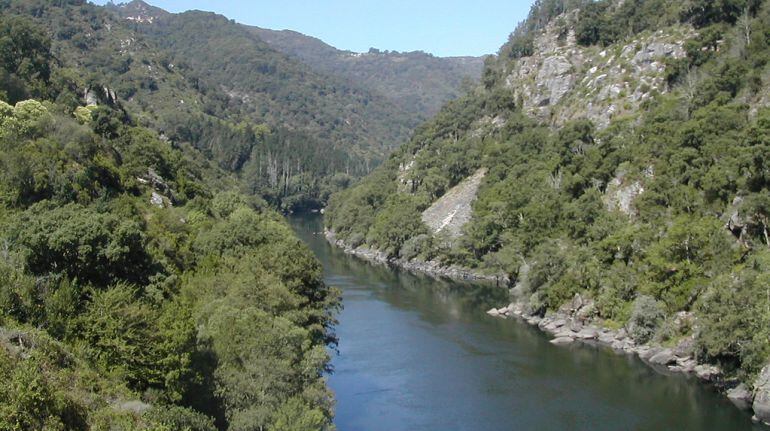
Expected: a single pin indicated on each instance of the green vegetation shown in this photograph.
(416, 82)
(139, 288)
(288, 133)
(694, 240)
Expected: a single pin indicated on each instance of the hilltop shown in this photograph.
(416, 82)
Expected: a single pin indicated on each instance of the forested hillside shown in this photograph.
(291, 134)
(624, 149)
(139, 288)
(416, 82)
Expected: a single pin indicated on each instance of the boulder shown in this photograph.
(707, 372)
(588, 334)
(645, 353)
(575, 325)
(587, 311)
(564, 333)
(554, 326)
(493, 312)
(533, 320)
(577, 302)
(562, 340)
(687, 364)
(685, 348)
(761, 404)
(664, 357)
(558, 323)
(741, 396)
(606, 337)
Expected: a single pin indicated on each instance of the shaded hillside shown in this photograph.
(131, 264)
(626, 145)
(416, 82)
(276, 89)
(202, 80)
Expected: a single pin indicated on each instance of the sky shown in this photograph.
(440, 27)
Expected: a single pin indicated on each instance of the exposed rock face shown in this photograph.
(157, 200)
(453, 210)
(622, 192)
(91, 98)
(563, 81)
(761, 404)
(406, 184)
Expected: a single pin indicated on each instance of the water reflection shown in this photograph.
(420, 354)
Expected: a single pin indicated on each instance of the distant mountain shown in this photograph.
(205, 80)
(416, 82)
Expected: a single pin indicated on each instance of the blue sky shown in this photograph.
(441, 27)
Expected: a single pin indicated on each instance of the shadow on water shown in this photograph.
(417, 353)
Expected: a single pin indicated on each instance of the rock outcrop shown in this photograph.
(562, 80)
(453, 210)
(761, 403)
(741, 396)
(569, 324)
(432, 268)
(622, 191)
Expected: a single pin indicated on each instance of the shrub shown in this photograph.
(180, 418)
(646, 316)
(413, 247)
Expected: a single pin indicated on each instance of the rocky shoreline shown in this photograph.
(432, 268)
(573, 323)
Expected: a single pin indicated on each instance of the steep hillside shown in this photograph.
(139, 290)
(276, 89)
(292, 134)
(416, 82)
(625, 145)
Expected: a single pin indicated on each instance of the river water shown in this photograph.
(420, 354)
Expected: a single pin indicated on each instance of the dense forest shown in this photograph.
(139, 287)
(693, 162)
(417, 82)
(292, 135)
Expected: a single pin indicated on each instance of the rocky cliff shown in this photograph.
(563, 81)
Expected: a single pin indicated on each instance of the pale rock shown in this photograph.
(562, 340)
(588, 334)
(664, 357)
(761, 403)
(157, 200)
(741, 396)
(706, 372)
(453, 211)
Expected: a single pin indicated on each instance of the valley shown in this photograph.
(570, 232)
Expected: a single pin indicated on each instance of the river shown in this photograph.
(416, 353)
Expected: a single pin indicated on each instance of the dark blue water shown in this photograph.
(420, 354)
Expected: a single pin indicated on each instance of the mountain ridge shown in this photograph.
(416, 81)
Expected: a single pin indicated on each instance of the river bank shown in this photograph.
(433, 268)
(575, 322)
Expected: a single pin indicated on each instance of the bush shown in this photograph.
(180, 418)
(415, 246)
(646, 317)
